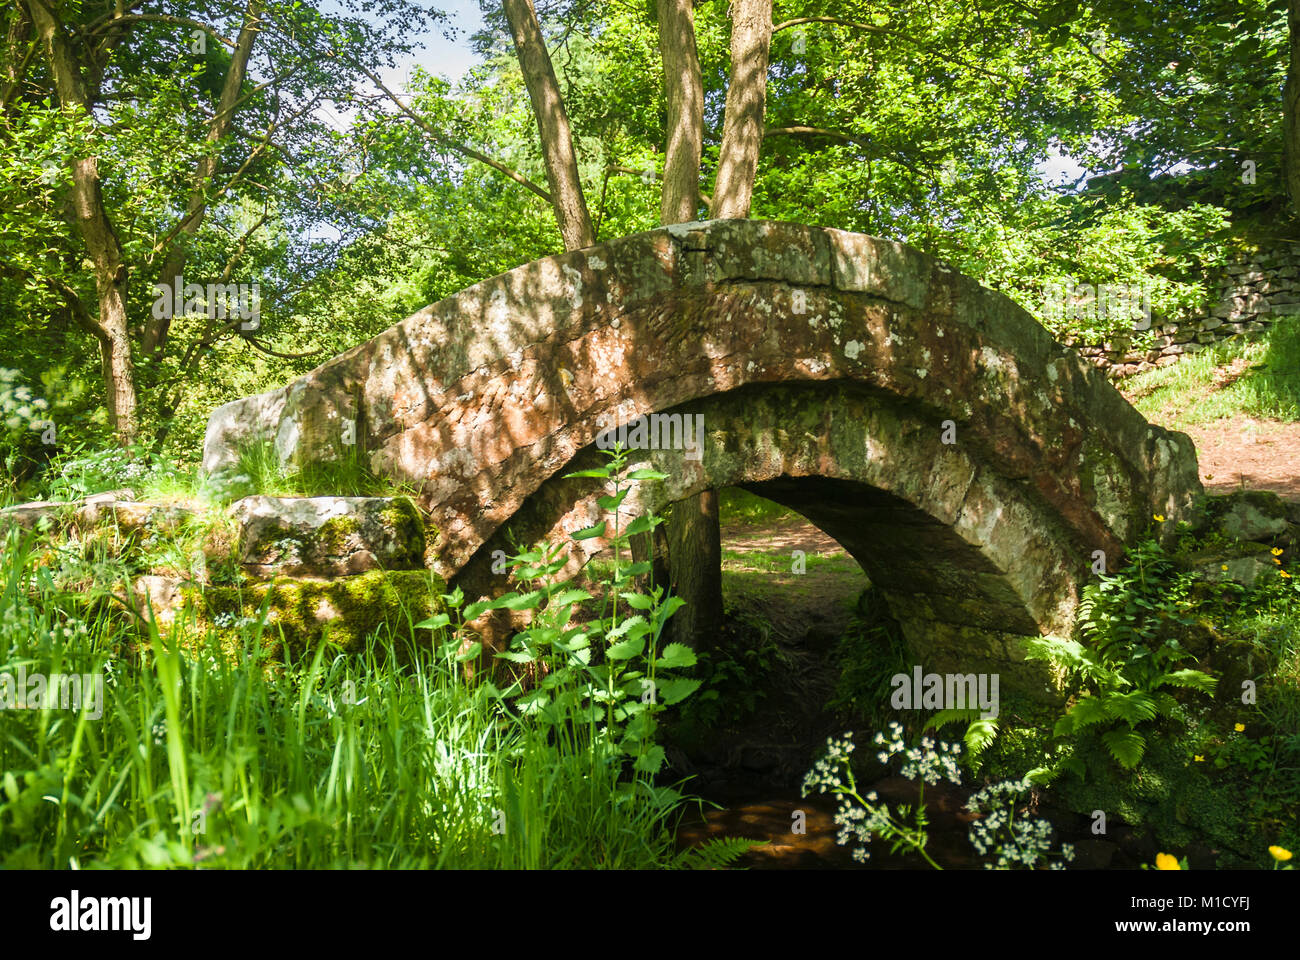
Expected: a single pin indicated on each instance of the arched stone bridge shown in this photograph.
(969, 462)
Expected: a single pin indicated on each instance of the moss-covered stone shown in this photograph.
(328, 536)
(345, 610)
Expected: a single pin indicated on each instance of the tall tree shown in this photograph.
(180, 151)
(552, 125)
(742, 129)
(684, 94)
(693, 532)
(155, 331)
(109, 325)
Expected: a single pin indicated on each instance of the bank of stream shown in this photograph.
(779, 692)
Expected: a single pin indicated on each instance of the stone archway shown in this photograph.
(829, 368)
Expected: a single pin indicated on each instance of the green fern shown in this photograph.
(980, 731)
(1126, 746)
(1129, 625)
(716, 853)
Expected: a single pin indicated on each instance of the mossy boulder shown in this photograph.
(1257, 515)
(345, 610)
(328, 536)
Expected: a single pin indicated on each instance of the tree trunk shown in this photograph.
(1291, 111)
(684, 91)
(552, 125)
(695, 562)
(155, 331)
(115, 361)
(742, 125)
(96, 231)
(693, 537)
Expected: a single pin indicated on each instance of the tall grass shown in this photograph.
(261, 471)
(200, 760)
(1259, 378)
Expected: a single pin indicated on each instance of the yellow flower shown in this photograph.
(1199, 758)
(1280, 853)
(1277, 561)
(1224, 567)
(1239, 727)
(1158, 518)
(1167, 861)
(1285, 574)
(1276, 551)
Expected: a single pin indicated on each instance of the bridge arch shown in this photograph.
(829, 369)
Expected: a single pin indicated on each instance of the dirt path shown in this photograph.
(1257, 454)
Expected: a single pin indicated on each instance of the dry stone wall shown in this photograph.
(1254, 292)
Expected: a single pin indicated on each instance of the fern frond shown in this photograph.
(716, 853)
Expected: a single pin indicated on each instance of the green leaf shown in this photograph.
(638, 601)
(1133, 707)
(643, 524)
(675, 689)
(982, 732)
(517, 601)
(1086, 712)
(945, 717)
(632, 626)
(569, 597)
(434, 622)
(600, 472)
(626, 649)
(650, 761)
(588, 533)
(1076, 766)
(1126, 746)
(1192, 679)
(670, 606)
(472, 651)
(674, 656)
(612, 503)
(647, 474)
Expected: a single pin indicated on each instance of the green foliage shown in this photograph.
(205, 752)
(733, 679)
(609, 677)
(871, 651)
(81, 470)
(737, 506)
(980, 733)
(1128, 664)
(261, 471)
(1236, 377)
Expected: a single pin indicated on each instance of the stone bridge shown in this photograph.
(967, 461)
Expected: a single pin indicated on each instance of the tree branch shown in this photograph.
(454, 145)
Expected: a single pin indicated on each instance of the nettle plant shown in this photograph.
(606, 679)
(1125, 671)
(999, 833)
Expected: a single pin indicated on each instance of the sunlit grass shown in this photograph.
(1251, 377)
(203, 760)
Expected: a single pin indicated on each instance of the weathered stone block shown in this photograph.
(328, 536)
